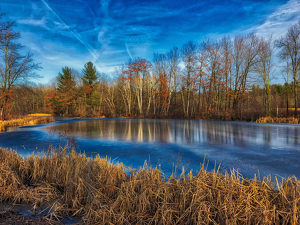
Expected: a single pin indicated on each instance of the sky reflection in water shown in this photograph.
(185, 132)
(270, 148)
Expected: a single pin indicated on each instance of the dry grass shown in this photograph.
(39, 114)
(28, 120)
(102, 193)
(269, 119)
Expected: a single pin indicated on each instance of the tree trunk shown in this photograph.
(295, 92)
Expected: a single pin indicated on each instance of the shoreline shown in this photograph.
(268, 119)
(96, 191)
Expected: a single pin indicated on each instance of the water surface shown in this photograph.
(171, 144)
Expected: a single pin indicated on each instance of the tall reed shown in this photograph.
(100, 192)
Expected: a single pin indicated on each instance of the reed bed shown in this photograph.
(99, 192)
(269, 119)
(28, 120)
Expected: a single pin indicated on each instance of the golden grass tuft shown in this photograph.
(28, 120)
(99, 192)
(269, 119)
(39, 114)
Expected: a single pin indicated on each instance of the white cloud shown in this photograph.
(279, 21)
(33, 22)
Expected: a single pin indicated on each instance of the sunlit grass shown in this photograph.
(102, 193)
(28, 120)
(39, 114)
(269, 119)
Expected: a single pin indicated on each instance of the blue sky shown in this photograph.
(109, 32)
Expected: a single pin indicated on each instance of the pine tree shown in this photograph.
(89, 80)
(89, 74)
(66, 91)
(65, 79)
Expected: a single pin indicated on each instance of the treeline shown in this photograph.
(123, 98)
(227, 79)
(32, 99)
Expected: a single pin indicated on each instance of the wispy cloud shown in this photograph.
(34, 22)
(128, 51)
(108, 33)
(79, 39)
(279, 21)
(104, 28)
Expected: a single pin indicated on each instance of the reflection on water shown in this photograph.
(249, 147)
(191, 132)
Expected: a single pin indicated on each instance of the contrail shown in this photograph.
(97, 59)
(128, 51)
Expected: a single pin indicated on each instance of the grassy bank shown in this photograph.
(269, 119)
(27, 120)
(99, 192)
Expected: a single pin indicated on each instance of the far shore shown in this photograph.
(267, 119)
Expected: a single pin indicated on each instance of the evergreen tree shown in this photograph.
(66, 91)
(89, 79)
(65, 79)
(89, 74)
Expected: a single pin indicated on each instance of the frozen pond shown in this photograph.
(248, 147)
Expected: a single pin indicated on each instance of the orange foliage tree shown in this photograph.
(163, 93)
(51, 101)
(5, 103)
(136, 73)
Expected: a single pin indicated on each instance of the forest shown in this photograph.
(226, 79)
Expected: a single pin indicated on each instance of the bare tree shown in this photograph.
(174, 69)
(289, 46)
(244, 57)
(149, 86)
(263, 67)
(226, 44)
(286, 70)
(14, 66)
(109, 98)
(125, 87)
(189, 58)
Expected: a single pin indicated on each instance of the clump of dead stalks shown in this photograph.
(269, 119)
(99, 192)
(27, 120)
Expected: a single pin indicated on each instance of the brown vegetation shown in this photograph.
(28, 120)
(39, 114)
(269, 119)
(97, 191)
